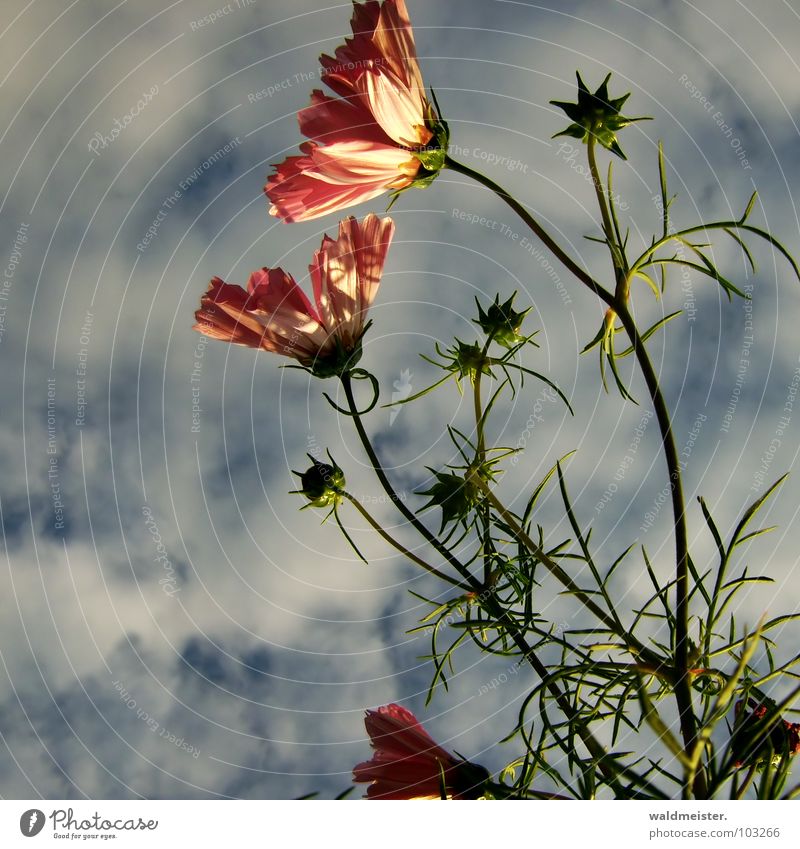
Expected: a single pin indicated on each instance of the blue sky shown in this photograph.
(252, 647)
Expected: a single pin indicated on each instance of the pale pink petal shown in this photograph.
(273, 288)
(346, 273)
(293, 328)
(371, 240)
(393, 727)
(399, 110)
(394, 38)
(301, 195)
(347, 162)
(407, 763)
(351, 58)
(336, 177)
(335, 281)
(273, 314)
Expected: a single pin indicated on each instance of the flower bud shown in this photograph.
(322, 484)
(502, 322)
(456, 495)
(468, 359)
(596, 116)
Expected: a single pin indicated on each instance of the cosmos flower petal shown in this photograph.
(337, 176)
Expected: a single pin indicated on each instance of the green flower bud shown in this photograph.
(468, 359)
(454, 494)
(596, 116)
(322, 484)
(502, 322)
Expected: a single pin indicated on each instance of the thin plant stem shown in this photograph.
(683, 692)
(601, 200)
(534, 225)
(389, 489)
(400, 547)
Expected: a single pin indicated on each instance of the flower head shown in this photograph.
(273, 313)
(408, 764)
(381, 134)
(596, 116)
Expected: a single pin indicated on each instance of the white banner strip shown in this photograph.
(617, 825)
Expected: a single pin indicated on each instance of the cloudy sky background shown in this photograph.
(260, 655)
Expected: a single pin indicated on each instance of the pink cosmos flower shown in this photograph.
(273, 313)
(363, 143)
(408, 764)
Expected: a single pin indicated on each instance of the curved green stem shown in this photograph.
(389, 489)
(683, 692)
(478, 406)
(534, 225)
(399, 546)
(481, 455)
